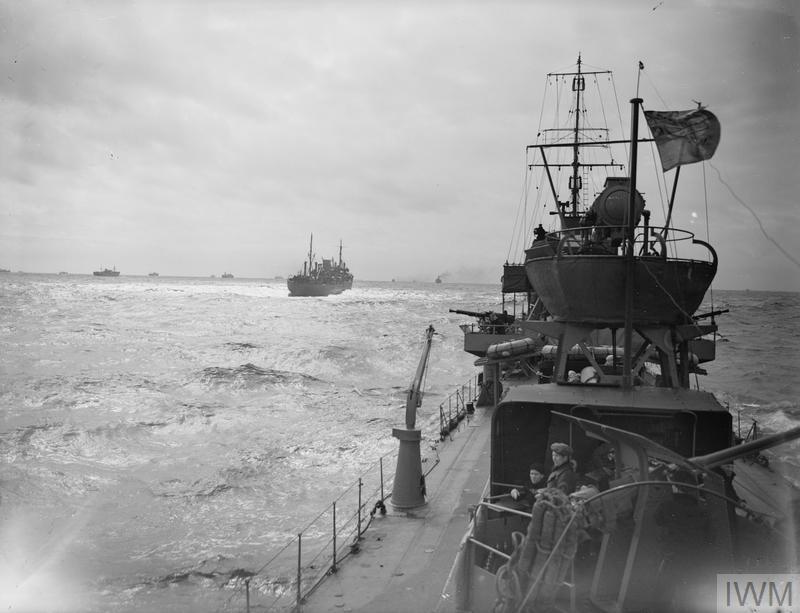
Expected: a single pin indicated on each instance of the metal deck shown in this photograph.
(405, 557)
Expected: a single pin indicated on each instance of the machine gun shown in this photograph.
(482, 315)
(489, 321)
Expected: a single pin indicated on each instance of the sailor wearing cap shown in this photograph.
(563, 474)
(527, 495)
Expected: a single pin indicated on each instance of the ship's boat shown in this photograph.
(320, 278)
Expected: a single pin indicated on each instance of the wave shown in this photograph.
(221, 570)
(175, 488)
(241, 346)
(249, 376)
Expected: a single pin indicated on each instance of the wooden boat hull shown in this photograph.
(591, 288)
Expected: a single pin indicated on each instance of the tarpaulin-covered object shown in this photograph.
(515, 279)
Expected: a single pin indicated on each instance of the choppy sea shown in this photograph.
(158, 433)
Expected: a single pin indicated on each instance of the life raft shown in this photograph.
(509, 349)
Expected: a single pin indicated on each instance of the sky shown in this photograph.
(196, 138)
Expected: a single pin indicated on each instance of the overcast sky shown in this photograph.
(193, 138)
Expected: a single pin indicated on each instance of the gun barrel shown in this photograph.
(723, 456)
(470, 313)
(711, 314)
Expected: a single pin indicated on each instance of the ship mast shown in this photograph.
(310, 252)
(568, 211)
(578, 85)
(630, 270)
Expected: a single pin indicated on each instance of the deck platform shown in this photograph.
(405, 557)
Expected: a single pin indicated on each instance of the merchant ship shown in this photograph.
(320, 278)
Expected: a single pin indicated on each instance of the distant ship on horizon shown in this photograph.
(323, 279)
(106, 272)
(227, 275)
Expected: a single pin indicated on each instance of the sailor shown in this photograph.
(563, 474)
(528, 494)
(603, 466)
(539, 233)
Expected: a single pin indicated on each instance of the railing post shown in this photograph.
(334, 536)
(247, 594)
(382, 494)
(299, 571)
(360, 485)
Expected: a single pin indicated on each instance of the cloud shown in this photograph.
(146, 132)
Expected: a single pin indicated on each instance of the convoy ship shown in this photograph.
(106, 272)
(320, 279)
(668, 496)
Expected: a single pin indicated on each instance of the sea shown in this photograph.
(160, 436)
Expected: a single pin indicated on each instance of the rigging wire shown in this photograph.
(655, 90)
(521, 231)
(788, 255)
(661, 180)
(619, 114)
(708, 228)
(513, 242)
(541, 108)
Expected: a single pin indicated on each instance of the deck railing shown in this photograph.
(457, 406)
(286, 579)
(608, 240)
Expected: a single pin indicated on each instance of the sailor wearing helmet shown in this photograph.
(563, 474)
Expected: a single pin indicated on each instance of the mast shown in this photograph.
(575, 179)
(340, 253)
(310, 252)
(627, 380)
(578, 85)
